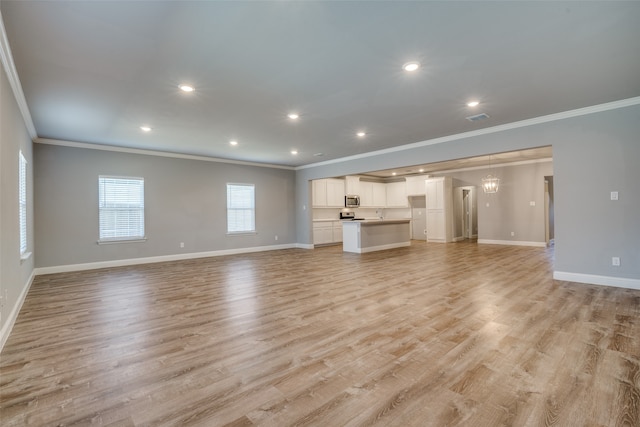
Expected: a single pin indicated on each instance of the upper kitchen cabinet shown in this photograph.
(352, 185)
(397, 195)
(415, 185)
(327, 193)
(373, 194)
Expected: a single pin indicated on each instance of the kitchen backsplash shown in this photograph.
(390, 213)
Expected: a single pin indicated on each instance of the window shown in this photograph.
(241, 211)
(22, 201)
(121, 205)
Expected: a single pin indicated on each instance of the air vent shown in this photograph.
(478, 117)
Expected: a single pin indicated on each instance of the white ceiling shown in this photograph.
(95, 71)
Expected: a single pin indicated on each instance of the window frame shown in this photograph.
(252, 209)
(103, 209)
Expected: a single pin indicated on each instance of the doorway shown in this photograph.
(549, 220)
(418, 217)
(465, 213)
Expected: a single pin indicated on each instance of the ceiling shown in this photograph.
(468, 163)
(95, 71)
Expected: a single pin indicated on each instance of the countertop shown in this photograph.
(379, 221)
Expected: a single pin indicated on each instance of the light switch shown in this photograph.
(532, 203)
(614, 195)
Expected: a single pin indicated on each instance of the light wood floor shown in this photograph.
(430, 335)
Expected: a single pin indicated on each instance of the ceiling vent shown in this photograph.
(478, 117)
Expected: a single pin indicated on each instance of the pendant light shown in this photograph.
(490, 183)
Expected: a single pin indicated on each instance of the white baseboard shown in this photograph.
(592, 279)
(11, 319)
(162, 258)
(512, 243)
(305, 245)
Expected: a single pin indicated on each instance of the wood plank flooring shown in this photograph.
(430, 335)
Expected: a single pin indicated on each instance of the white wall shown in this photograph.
(15, 274)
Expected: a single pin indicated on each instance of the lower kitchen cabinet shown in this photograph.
(327, 232)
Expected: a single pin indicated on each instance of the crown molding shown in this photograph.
(14, 81)
(102, 147)
(500, 128)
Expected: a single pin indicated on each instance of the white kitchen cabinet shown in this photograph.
(322, 233)
(416, 185)
(337, 231)
(319, 193)
(366, 194)
(352, 185)
(439, 209)
(373, 194)
(397, 195)
(327, 193)
(335, 193)
(379, 194)
(327, 232)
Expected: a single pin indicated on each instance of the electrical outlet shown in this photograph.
(615, 261)
(614, 195)
(513, 233)
(182, 244)
(276, 237)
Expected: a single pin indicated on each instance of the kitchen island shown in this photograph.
(375, 235)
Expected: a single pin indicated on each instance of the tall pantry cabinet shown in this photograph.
(439, 209)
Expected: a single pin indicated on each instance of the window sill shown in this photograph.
(25, 256)
(115, 241)
(242, 233)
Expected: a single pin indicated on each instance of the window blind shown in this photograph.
(121, 206)
(22, 190)
(241, 208)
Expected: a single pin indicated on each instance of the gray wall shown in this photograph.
(185, 201)
(14, 274)
(593, 154)
(509, 209)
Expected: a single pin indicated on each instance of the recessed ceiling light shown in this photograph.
(233, 142)
(411, 66)
(294, 152)
(421, 170)
(293, 116)
(473, 103)
(145, 128)
(393, 173)
(186, 88)
(361, 134)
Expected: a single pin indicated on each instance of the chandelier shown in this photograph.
(490, 184)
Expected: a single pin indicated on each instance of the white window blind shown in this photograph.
(22, 183)
(241, 212)
(121, 205)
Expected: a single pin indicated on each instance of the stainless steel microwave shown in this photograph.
(351, 201)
